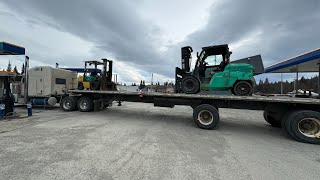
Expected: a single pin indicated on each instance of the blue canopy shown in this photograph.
(308, 62)
(81, 70)
(11, 49)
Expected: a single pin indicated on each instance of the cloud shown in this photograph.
(146, 37)
(112, 27)
(276, 29)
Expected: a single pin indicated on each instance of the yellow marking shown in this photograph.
(7, 73)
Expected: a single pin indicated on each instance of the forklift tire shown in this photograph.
(190, 85)
(206, 116)
(80, 86)
(85, 104)
(95, 85)
(69, 103)
(243, 88)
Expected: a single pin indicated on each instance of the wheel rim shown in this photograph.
(243, 89)
(205, 117)
(67, 104)
(189, 85)
(310, 127)
(83, 104)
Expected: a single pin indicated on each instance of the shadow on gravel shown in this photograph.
(230, 126)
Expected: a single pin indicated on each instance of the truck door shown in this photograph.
(39, 85)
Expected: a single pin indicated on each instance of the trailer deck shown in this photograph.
(279, 99)
(299, 117)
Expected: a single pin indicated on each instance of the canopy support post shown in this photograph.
(281, 83)
(319, 82)
(296, 82)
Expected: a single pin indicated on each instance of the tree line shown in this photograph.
(143, 84)
(15, 69)
(275, 87)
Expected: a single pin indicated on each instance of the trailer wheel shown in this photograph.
(304, 126)
(85, 104)
(69, 103)
(190, 85)
(285, 123)
(271, 120)
(206, 116)
(243, 88)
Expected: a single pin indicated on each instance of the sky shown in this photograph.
(144, 37)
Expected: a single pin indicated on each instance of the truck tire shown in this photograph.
(243, 88)
(272, 121)
(285, 123)
(85, 104)
(304, 126)
(69, 103)
(206, 116)
(190, 85)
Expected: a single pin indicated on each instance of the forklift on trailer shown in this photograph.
(213, 72)
(98, 79)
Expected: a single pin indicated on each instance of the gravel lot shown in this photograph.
(139, 141)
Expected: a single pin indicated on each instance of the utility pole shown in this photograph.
(281, 83)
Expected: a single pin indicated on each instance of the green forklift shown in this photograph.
(213, 72)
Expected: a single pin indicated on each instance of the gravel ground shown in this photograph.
(138, 141)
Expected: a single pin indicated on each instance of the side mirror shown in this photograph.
(197, 54)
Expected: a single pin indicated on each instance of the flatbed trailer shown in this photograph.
(299, 117)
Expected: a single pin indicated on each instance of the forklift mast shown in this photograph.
(186, 58)
(107, 69)
(106, 81)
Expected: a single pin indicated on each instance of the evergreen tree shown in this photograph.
(9, 68)
(16, 70)
(260, 82)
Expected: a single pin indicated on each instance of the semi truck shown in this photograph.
(43, 86)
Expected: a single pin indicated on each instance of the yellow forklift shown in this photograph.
(97, 79)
